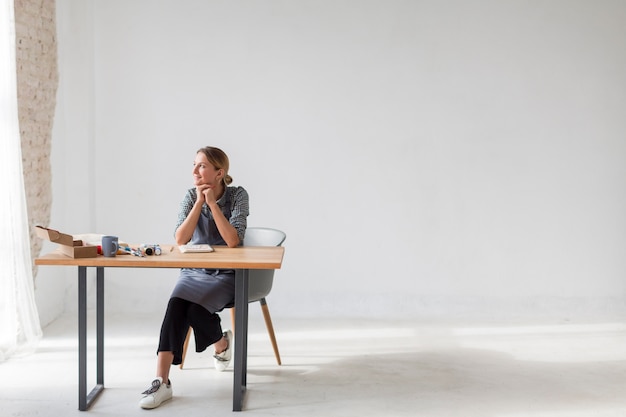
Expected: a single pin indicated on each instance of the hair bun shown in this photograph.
(228, 179)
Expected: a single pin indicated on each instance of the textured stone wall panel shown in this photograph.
(37, 81)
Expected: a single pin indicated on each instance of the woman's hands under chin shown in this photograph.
(206, 194)
(201, 190)
(209, 195)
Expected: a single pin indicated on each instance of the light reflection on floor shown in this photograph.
(345, 368)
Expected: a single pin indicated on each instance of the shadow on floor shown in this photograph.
(458, 381)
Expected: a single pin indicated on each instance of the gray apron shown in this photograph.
(213, 289)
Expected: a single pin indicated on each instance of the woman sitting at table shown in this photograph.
(215, 213)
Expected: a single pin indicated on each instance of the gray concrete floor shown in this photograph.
(344, 368)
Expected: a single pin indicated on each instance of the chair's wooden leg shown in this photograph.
(185, 345)
(270, 328)
(232, 319)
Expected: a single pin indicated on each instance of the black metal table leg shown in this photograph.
(85, 401)
(82, 338)
(241, 338)
(100, 325)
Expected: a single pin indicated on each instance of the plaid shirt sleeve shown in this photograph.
(185, 207)
(240, 209)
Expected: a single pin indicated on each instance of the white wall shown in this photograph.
(428, 157)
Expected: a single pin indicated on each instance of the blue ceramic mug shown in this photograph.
(109, 246)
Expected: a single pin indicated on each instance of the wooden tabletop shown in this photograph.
(243, 257)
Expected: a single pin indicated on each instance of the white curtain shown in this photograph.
(19, 322)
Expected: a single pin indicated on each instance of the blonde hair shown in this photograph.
(219, 160)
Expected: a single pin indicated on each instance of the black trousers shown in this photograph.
(181, 314)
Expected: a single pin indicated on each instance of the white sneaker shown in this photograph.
(156, 394)
(222, 360)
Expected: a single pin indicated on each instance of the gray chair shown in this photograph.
(259, 284)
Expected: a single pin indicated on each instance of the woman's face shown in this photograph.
(205, 173)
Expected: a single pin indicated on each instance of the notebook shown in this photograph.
(195, 248)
